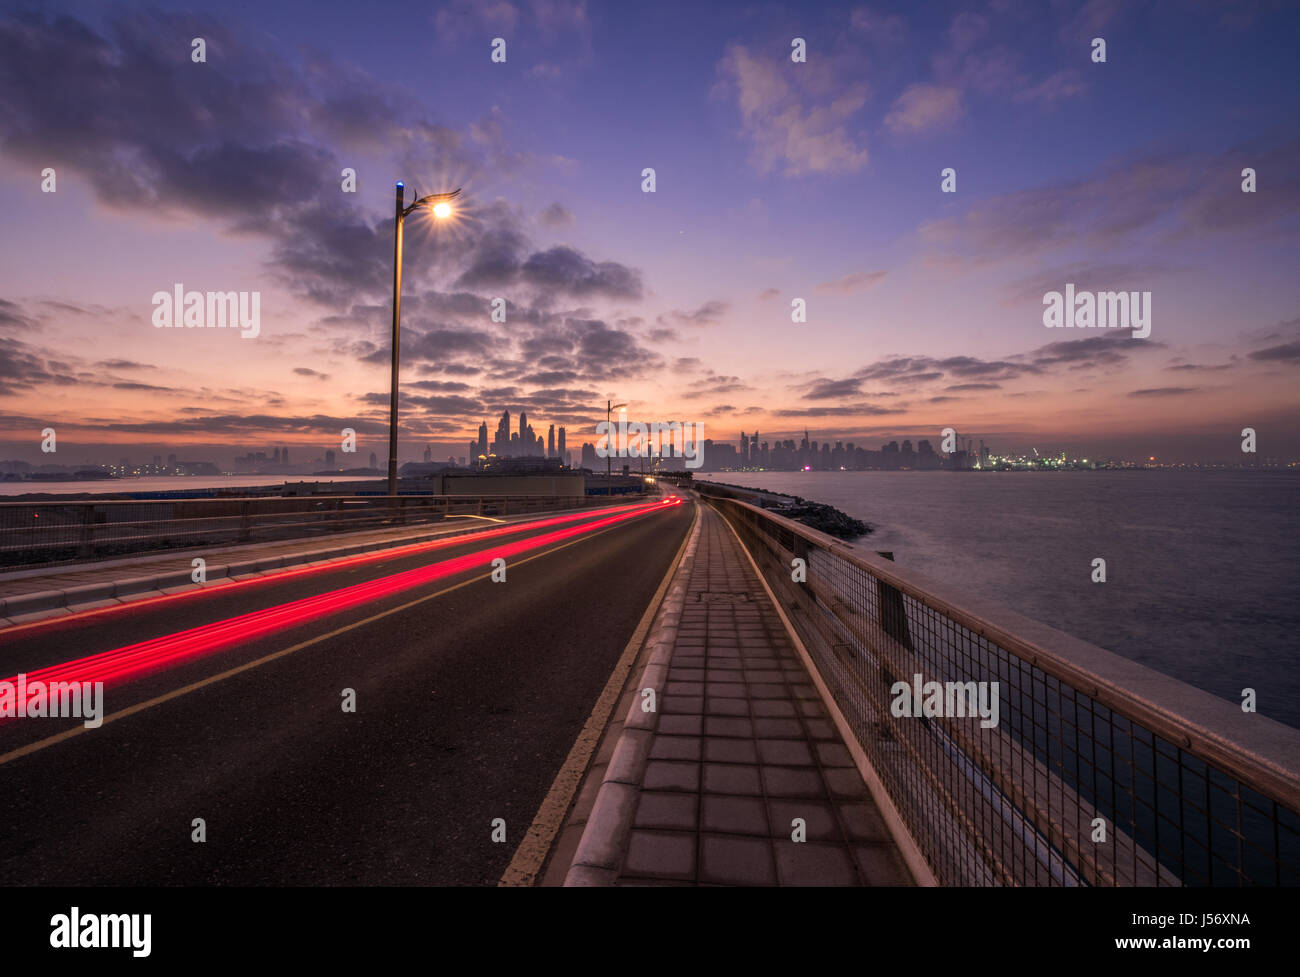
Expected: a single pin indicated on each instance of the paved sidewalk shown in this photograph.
(706, 790)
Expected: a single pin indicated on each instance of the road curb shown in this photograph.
(604, 839)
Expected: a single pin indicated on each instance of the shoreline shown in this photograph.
(815, 515)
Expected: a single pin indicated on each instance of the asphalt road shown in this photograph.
(467, 704)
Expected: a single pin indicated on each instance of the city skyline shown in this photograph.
(818, 182)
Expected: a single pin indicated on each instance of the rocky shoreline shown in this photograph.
(815, 515)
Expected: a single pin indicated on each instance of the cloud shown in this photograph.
(1286, 353)
(1136, 203)
(825, 389)
(1091, 277)
(708, 314)
(14, 317)
(792, 130)
(847, 410)
(1163, 391)
(887, 30)
(461, 19)
(856, 282)
(555, 216)
(923, 106)
(715, 385)
(568, 270)
(306, 371)
(251, 148)
(1065, 83)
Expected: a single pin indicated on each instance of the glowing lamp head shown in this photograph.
(442, 210)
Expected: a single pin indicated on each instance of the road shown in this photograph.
(469, 694)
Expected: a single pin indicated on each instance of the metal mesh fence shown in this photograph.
(1078, 783)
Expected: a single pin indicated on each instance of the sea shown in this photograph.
(1202, 566)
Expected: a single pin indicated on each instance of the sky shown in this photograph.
(776, 180)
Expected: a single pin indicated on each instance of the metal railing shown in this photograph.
(1187, 788)
(45, 533)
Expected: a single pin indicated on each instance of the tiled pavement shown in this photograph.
(743, 746)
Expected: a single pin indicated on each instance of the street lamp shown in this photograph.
(609, 444)
(438, 204)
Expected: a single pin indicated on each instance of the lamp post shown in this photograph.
(609, 445)
(441, 209)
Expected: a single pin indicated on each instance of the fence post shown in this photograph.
(893, 612)
(245, 521)
(85, 538)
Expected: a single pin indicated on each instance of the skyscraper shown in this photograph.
(550, 442)
(501, 446)
(560, 447)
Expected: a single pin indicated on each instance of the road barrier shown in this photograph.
(1099, 771)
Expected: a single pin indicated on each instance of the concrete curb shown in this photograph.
(604, 839)
(27, 608)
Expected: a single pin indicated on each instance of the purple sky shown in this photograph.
(775, 181)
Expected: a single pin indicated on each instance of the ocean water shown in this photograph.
(1202, 567)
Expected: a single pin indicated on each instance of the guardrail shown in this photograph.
(45, 533)
(1099, 771)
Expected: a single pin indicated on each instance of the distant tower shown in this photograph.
(329, 458)
(550, 442)
(284, 456)
(374, 460)
(428, 453)
(560, 447)
(277, 456)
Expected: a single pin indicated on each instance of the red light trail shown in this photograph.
(133, 660)
(226, 585)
